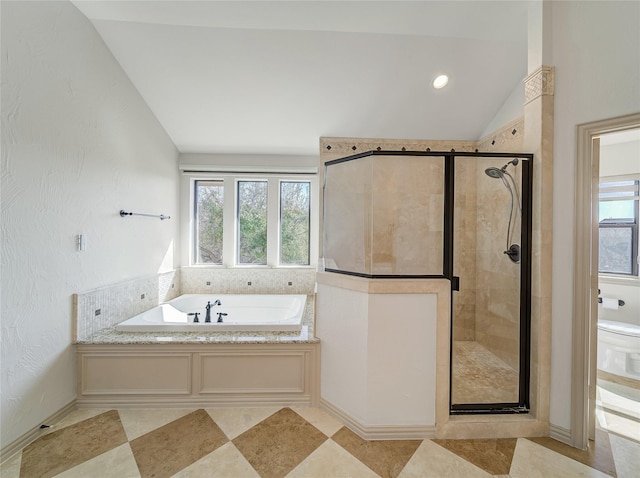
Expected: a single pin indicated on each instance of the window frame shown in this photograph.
(230, 218)
(620, 223)
(279, 233)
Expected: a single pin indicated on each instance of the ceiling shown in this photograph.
(265, 77)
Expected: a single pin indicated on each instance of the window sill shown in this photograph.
(633, 281)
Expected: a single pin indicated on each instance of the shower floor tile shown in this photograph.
(481, 377)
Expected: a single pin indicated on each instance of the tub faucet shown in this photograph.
(207, 318)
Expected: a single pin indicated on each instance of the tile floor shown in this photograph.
(618, 409)
(290, 442)
(479, 376)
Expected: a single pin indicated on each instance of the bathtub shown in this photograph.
(619, 348)
(244, 313)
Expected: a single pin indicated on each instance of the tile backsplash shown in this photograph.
(105, 307)
(203, 280)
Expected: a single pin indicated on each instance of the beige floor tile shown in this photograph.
(75, 416)
(116, 463)
(531, 460)
(626, 455)
(11, 467)
(70, 446)
(433, 461)
(225, 462)
(330, 460)
(597, 455)
(171, 448)
(492, 455)
(235, 421)
(319, 419)
(277, 445)
(386, 457)
(138, 421)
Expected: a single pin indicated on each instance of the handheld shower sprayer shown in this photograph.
(513, 250)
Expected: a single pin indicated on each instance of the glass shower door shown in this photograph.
(489, 360)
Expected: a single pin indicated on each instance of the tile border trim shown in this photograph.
(539, 83)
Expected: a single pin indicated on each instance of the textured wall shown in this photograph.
(78, 145)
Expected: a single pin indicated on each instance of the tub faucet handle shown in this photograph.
(195, 318)
(220, 315)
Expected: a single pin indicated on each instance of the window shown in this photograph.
(618, 227)
(209, 201)
(295, 215)
(248, 221)
(252, 222)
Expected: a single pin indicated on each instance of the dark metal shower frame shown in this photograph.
(522, 406)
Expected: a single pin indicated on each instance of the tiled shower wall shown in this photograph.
(105, 307)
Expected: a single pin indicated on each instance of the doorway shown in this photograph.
(585, 328)
(617, 394)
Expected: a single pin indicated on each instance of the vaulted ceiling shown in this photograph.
(273, 76)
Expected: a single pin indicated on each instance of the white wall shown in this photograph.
(511, 110)
(597, 66)
(620, 158)
(78, 145)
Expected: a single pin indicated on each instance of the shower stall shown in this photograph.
(462, 216)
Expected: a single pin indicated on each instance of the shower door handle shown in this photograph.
(455, 283)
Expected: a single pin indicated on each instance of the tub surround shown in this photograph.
(178, 369)
(181, 369)
(119, 302)
(110, 336)
(200, 374)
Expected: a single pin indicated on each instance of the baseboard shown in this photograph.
(379, 432)
(559, 433)
(159, 401)
(22, 441)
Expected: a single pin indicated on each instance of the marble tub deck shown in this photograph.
(289, 442)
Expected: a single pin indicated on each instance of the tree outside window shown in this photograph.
(294, 222)
(252, 222)
(209, 207)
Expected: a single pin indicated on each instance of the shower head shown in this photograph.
(499, 172)
(494, 172)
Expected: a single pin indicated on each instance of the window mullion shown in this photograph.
(230, 228)
(273, 221)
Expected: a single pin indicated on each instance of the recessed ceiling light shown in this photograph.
(440, 82)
